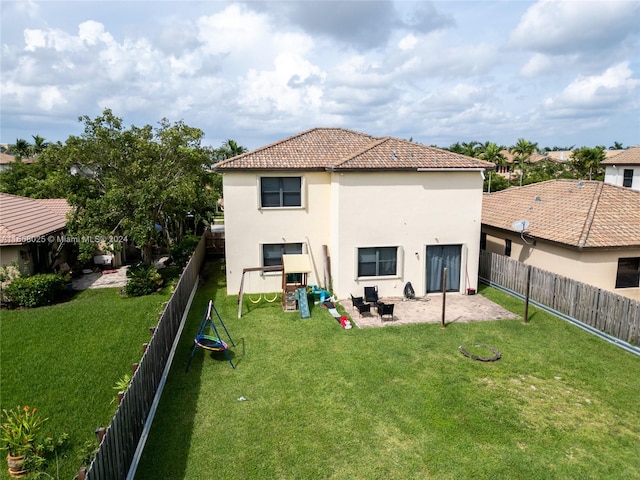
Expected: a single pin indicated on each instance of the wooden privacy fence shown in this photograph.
(606, 311)
(120, 440)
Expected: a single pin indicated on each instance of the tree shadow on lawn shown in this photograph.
(175, 418)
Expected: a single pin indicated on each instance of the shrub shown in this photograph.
(35, 291)
(182, 251)
(142, 280)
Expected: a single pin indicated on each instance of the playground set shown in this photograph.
(296, 291)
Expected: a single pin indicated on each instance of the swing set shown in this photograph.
(208, 337)
(256, 297)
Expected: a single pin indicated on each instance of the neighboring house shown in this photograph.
(585, 230)
(7, 159)
(31, 231)
(511, 168)
(369, 212)
(623, 169)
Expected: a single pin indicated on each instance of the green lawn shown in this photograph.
(396, 402)
(65, 359)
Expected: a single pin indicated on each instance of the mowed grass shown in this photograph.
(65, 359)
(396, 402)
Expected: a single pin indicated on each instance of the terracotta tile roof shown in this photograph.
(24, 218)
(630, 156)
(396, 154)
(6, 159)
(341, 149)
(581, 214)
(534, 158)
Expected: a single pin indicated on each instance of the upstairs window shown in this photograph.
(627, 179)
(377, 261)
(278, 192)
(272, 252)
(628, 273)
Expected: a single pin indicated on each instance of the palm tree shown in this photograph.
(39, 144)
(522, 150)
(471, 149)
(456, 148)
(230, 149)
(491, 152)
(21, 148)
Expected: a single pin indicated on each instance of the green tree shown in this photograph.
(522, 151)
(230, 148)
(46, 177)
(141, 183)
(585, 162)
(491, 152)
(494, 183)
(21, 149)
(456, 148)
(546, 170)
(616, 146)
(39, 144)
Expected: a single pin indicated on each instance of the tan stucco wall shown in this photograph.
(10, 256)
(597, 268)
(349, 210)
(247, 227)
(406, 209)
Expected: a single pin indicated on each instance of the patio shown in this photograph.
(428, 309)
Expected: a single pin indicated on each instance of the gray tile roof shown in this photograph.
(23, 218)
(341, 149)
(580, 214)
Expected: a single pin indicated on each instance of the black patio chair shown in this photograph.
(385, 309)
(371, 295)
(358, 303)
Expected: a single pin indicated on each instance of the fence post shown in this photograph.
(526, 298)
(444, 295)
(100, 433)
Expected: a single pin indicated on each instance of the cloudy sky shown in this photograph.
(556, 73)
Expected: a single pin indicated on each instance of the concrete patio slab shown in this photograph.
(428, 309)
(116, 278)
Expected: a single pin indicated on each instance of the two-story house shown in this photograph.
(624, 169)
(585, 230)
(367, 210)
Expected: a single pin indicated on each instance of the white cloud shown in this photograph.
(612, 90)
(560, 27)
(50, 97)
(438, 72)
(408, 42)
(234, 30)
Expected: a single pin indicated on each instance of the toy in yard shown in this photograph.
(303, 303)
(344, 321)
(208, 337)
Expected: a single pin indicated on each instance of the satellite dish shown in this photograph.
(520, 225)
